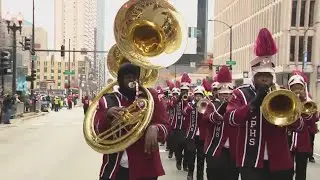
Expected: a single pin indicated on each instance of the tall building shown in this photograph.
(100, 57)
(295, 25)
(75, 23)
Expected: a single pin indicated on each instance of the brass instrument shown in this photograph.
(281, 107)
(185, 97)
(152, 35)
(309, 107)
(115, 59)
(203, 104)
(150, 31)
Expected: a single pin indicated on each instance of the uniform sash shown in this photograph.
(178, 124)
(193, 122)
(253, 132)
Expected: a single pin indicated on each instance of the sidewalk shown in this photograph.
(27, 116)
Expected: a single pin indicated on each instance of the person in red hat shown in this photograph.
(179, 125)
(221, 138)
(141, 160)
(262, 148)
(195, 135)
(300, 141)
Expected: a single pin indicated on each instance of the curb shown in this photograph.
(14, 121)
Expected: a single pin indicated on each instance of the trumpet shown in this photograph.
(203, 104)
(275, 112)
(185, 97)
(309, 107)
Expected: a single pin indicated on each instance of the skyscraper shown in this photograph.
(100, 57)
(75, 22)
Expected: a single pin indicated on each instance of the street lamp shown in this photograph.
(14, 27)
(230, 37)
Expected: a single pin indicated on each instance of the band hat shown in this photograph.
(160, 90)
(296, 79)
(265, 49)
(175, 91)
(224, 78)
(215, 85)
(185, 82)
(199, 90)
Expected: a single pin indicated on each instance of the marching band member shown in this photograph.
(262, 148)
(170, 110)
(195, 135)
(313, 128)
(172, 114)
(301, 144)
(162, 99)
(179, 124)
(221, 140)
(141, 160)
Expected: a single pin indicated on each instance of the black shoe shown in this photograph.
(170, 156)
(185, 168)
(312, 160)
(178, 166)
(190, 177)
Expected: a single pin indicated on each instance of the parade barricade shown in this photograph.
(18, 110)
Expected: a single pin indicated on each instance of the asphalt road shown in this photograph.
(52, 147)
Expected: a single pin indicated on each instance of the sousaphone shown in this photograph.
(152, 35)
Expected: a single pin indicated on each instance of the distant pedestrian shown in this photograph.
(85, 102)
(7, 109)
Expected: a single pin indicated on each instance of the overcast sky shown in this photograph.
(44, 13)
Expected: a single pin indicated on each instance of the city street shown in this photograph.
(52, 147)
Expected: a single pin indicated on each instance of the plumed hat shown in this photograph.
(224, 78)
(170, 86)
(185, 81)
(199, 90)
(206, 85)
(303, 75)
(265, 49)
(177, 84)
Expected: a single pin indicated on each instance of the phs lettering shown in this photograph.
(252, 131)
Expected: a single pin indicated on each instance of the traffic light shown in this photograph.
(62, 50)
(27, 43)
(32, 77)
(5, 62)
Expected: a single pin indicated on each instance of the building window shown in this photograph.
(292, 42)
(45, 69)
(59, 70)
(301, 56)
(303, 11)
(294, 12)
(38, 83)
(59, 77)
(45, 63)
(59, 84)
(59, 64)
(52, 70)
(44, 77)
(38, 70)
(192, 32)
(38, 76)
(312, 2)
(52, 77)
(309, 48)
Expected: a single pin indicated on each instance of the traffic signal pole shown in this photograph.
(33, 109)
(69, 59)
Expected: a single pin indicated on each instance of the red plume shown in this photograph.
(265, 45)
(206, 84)
(185, 78)
(170, 84)
(224, 75)
(297, 72)
(178, 84)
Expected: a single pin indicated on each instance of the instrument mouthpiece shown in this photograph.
(132, 84)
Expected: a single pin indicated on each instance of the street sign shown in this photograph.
(230, 62)
(245, 74)
(193, 64)
(69, 72)
(34, 58)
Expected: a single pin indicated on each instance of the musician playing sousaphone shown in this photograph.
(195, 135)
(262, 146)
(221, 138)
(300, 141)
(141, 160)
